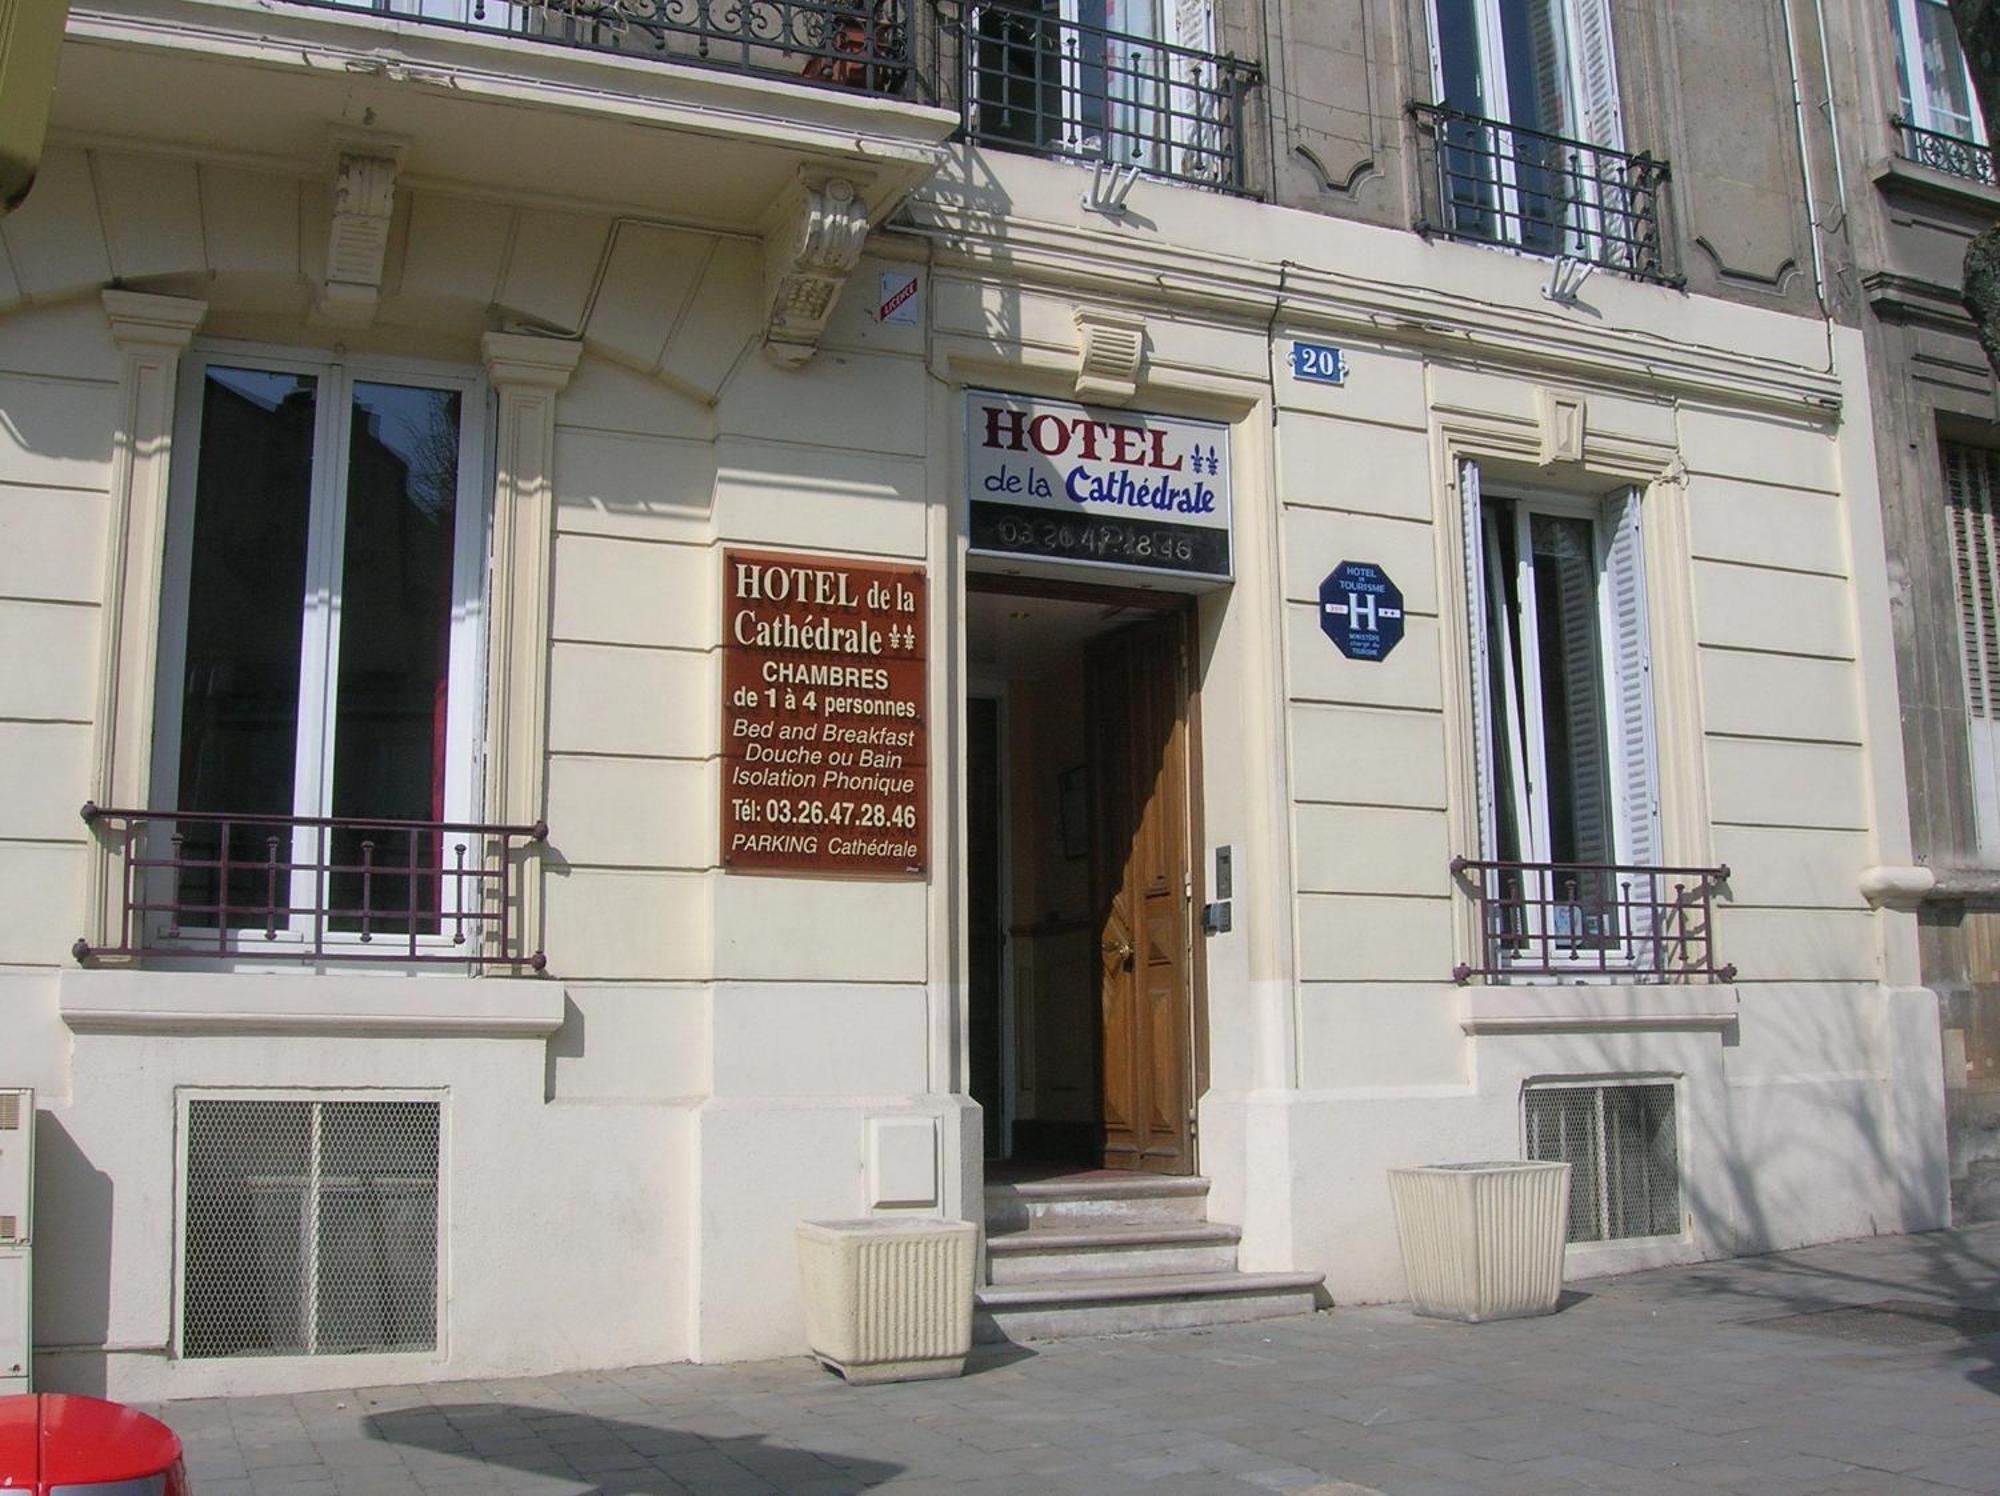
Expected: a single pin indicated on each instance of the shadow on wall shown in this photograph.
(73, 1202)
(1780, 1179)
(619, 1458)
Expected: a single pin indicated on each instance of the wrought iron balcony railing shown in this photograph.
(313, 889)
(1950, 154)
(1496, 183)
(1596, 920)
(861, 44)
(1032, 81)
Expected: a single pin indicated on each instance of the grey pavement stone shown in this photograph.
(1665, 1383)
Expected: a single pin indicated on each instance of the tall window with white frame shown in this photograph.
(1933, 85)
(1529, 87)
(1563, 727)
(320, 647)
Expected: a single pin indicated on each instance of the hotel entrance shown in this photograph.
(1083, 1028)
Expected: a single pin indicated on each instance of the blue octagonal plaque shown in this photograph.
(1361, 610)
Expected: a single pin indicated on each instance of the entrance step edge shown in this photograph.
(1101, 1186)
(1078, 1204)
(1075, 1236)
(1151, 1249)
(1058, 1308)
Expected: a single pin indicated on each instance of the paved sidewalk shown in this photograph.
(1768, 1375)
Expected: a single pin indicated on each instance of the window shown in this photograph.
(1931, 78)
(1624, 1156)
(1972, 512)
(1562, 723)
(1529, 135)
(320, 644)
(1131, 83)
(310, 1227)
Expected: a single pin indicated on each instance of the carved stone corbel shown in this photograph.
(808, 255)
(364, 200)
(1110, 346)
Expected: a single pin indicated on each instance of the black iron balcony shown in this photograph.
(1572, 921)
(1031, 81)
(861, 44)
(1495, 183)
(313, 889)
(1950, 154)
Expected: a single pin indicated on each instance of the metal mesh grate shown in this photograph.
(312, 1227)
(1620, 1143)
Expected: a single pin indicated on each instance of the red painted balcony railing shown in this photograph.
(313, 889)
(1574, 920)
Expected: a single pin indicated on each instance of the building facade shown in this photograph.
(623, 633)
(1922, 184)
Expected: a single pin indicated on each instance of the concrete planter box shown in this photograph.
(1482, 1241)
(888, 1300)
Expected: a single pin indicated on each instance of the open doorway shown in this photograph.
(1082, 1030)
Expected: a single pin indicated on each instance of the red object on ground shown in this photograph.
(55, 1445)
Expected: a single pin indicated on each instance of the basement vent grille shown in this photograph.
(10, 1112)
(1972, 511)
(1619, 1141)
(312, 1227)
(10, 1228)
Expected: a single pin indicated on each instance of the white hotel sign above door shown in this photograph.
(1060, 486)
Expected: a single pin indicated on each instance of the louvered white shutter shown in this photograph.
(1191, 23)
(1972, 512)
(1473, 533)
(1599, 119)
(1194, 99)
(1632, 686)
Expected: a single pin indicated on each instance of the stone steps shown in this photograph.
(1102, 1254)
(1094, 1199)
(1111, 1251)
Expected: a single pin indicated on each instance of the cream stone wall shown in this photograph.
(712, 1050)
(1339, 1045)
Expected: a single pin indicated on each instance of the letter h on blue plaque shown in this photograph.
(1361, 610)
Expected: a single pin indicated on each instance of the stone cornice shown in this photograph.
(1906, 298)
(1529, 341)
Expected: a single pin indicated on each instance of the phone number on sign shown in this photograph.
(864, 814)
(1094, 539)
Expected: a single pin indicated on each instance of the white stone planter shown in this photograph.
(1484, 1240)
(888, 1300)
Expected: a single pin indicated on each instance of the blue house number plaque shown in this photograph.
(1361, 610)
(1320, 362)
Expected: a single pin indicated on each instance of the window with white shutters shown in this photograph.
(1932, 80)
(1562, 723)
(1972, 515)
(1129, 84)
(1529, 134)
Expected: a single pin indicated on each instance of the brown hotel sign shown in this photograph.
(824, 733)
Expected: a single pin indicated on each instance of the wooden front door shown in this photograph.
(1135, 703)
